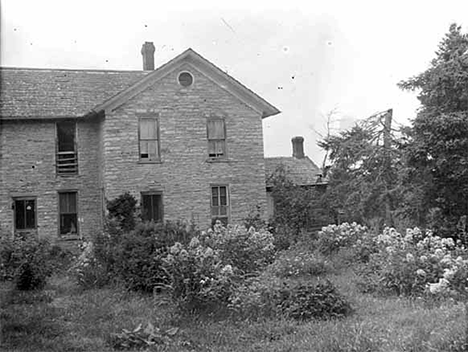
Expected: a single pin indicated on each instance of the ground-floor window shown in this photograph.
(220, 203)
(152, 207)
(68, 213)
(25, 213)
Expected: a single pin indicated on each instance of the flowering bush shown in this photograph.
(198, 278)
(202, 275)
(88, 270)
(453, 281)
(418, 263)
(248, 250)
(352, 236)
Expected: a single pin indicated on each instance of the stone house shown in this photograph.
(185, 139)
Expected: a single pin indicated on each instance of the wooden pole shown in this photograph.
(387, 141)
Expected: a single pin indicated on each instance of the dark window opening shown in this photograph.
(25, 214)
(220, 204)
(216, 138)
(68, 212)
(67, 159)
(152, 207)
(149, 139)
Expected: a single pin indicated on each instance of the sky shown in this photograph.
(307, 58)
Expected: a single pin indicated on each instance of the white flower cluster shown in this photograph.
(456, 269)
(344, 234)
(431, 256)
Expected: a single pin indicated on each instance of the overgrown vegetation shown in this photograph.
(28, 261)
(348, 287)
(133, 258)
(299, 211)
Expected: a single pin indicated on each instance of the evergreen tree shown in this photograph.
(436, 153)
(363, 171)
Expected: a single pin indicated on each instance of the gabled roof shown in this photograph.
(302, 172)
(59, 93)
(205, 67)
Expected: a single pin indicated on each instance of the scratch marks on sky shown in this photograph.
(227, 24)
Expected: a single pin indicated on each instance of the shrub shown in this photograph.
(139, 262)
(254, 219)
(88, 270)
(198, 280)
(140, 253)
(284, 237)
(134, 258)
(318, 300)
(248, 250)
(256, 296)
(297, 262)
(416, 264)
(267, 295)
(334, 237)
(204, 273)
(123, 209)
(61, 258)
(26, 260)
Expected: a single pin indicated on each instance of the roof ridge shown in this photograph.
(68, 69)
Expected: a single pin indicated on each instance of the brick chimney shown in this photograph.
(298, 147)
(147, 50)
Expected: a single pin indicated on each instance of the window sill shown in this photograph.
(218, 160)
(150, 162)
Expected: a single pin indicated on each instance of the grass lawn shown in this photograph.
(65, 318)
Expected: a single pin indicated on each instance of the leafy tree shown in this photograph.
(436, 153)
(123, 209)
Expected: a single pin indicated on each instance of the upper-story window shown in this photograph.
(149, 139)
(66, 158)
(216, 130)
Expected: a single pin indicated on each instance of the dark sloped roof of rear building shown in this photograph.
(52, 93)
(302, 172)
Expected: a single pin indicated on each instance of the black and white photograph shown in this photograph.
(248, 176)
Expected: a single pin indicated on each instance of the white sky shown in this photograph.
(304, 57)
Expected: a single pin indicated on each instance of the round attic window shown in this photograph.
(185, 79)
